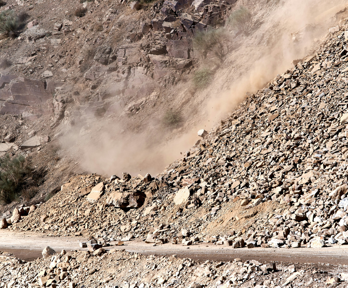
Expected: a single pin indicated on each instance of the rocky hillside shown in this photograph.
(272, 175)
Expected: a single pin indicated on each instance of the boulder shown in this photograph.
(126, 199)
(47, 252)
(3, 223)
(202, 133)
(182, 196)
(317, 242)
(31, 143)
(34, 34)
(147, 178)
(96, 193)
(32, 208)
(150, 238)
(16, 216)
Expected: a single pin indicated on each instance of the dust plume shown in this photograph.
(290, 31)
(287, 30)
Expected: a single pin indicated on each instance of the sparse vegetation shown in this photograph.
(2, 3)
(80, 12)
(210, 41)
(240, 19)
(202, 78)
(172, 118)
(13, 174)
(9, 23)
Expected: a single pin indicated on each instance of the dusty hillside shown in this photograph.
(271, 175)
(120, 80)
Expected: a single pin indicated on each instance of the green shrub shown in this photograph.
(211, 40)
(13, 173)
(240, 19)
(9, 23)
(202, 78)
(172, 118)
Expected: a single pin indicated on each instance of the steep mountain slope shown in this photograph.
(272, 174)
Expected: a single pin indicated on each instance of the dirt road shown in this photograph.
(28, 246)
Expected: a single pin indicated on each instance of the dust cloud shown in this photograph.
(294, 28)
(289, 30)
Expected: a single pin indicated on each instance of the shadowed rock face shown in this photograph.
(28, 97)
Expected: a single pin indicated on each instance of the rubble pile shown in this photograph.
(272, 175)
(122, 269)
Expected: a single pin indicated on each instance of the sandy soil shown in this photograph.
(28, 246)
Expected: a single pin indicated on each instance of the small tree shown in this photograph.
(13, 172)
(172, 118)
(202, 78)
(9, 23)
(211, 40)
(240, 19)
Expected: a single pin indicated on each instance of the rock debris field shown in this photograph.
(273, 174)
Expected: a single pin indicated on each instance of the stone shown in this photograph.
(32, 208)
(58, 26)
(296, 244)
(96, 193)
(43, 218)
(126, 199)
(343, 204)
(43, 280)
(47, 252)
(113, 177)
(98, 252)
(182, 196)
(202, 133)
(150, 238)
(31, 143)
(344, 276)
(238, 243)
(291, 278)
(344, 118)
(275, 243)
(317, 243)
(3, 223)
(16, 216)
(334, 29)
(83, 244)
(126, 176)
(4, 147)
(147, 178)
(34, 33)
(184, 233)
(244, 202)
(47, 74)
